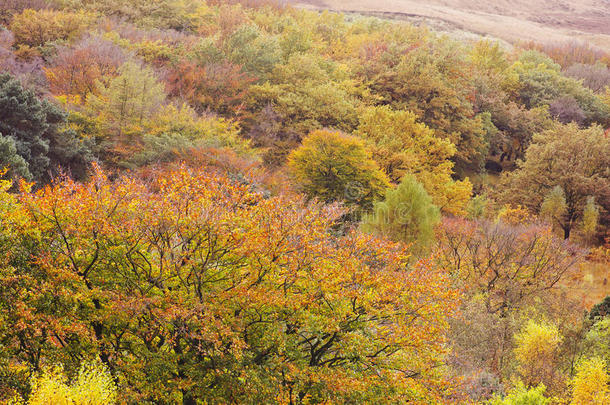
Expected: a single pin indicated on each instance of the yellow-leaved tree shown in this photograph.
(92, 386)
(590, 384)
(333, 166)
(537, 353)
(37, 27)
(402, 145)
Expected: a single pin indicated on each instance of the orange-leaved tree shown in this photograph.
(79, 71)
(193, 288)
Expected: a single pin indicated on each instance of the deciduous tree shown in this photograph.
(509, 264)
(333, 166)
(35, 28)
(219, 87)
(84, 69)
(503, 269)
(521, 395)
(125, 105)
(193, 288)
(577, 160)
(540, 82)
(590, 384)
(537, 352)
(93, 385)
(308, 93)
(403, 146)
(433, 85)
(590, 218)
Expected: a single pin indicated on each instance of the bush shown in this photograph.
(521, 395)
(92, 386)
(600, 310)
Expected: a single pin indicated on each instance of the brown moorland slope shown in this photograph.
(511, 20)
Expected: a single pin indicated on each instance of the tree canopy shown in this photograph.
(249, 201)
(550, 162)
(188, 285)
(333, 166)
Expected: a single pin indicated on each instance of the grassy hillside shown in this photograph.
(546, 20)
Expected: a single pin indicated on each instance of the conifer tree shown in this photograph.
(129, 100)
(406, 214)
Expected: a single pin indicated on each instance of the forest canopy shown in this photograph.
(211, 202)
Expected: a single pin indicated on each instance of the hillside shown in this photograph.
(518, 20)
(244, 202)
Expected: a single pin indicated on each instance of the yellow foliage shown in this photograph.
(590, 217)
(514, 215)
(489, 55)
(536, 351)
(93, 386)
(185, 121)
(129, 100)
(333, 166)
(590, 384)
(401, 145)
(35, 28)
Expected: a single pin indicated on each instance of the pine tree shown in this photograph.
(11, 161)
(407, 214)
(34, 142)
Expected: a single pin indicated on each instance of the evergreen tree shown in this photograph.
(32, 130)
(11, 161)
(407, 214)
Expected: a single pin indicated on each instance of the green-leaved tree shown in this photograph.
(333, 166)
(406, 214)
(128, 101)
(573, 159)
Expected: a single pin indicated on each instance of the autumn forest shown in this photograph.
(246, 202)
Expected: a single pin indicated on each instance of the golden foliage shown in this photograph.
(590, 384)
(92, 386)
